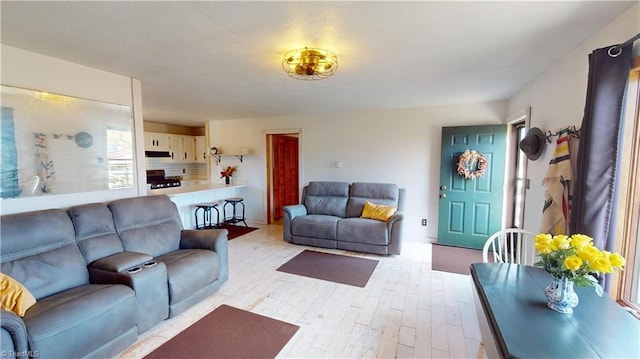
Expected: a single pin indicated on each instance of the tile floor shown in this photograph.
(405, 311)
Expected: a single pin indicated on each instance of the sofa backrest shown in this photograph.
(95, 231)
(378, 193)
(329, 198)
(39, 250)
(148, 224)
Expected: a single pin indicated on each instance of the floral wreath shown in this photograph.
(472, 164)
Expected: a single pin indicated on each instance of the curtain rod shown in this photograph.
(618, 48)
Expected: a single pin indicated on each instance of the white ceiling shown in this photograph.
(222, 60)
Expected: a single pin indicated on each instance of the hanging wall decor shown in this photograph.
(472, 164)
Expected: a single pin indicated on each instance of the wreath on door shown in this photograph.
(472, 164)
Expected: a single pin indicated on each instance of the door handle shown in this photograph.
(442, 195)
(443, 187)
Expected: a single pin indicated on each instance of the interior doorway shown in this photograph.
(282, 173)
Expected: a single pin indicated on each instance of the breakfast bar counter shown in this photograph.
(186, 188)
(191, 193)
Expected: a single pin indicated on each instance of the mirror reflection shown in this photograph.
(55, 144)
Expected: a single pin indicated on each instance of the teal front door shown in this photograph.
(470, 210)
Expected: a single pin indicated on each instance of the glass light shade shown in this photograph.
(310, 64)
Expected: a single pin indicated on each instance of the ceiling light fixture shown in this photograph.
(310, 64)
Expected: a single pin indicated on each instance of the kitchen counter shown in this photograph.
(193, 192)
(194, 188)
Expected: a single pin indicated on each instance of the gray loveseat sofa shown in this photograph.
(104, 273)
(329, 216)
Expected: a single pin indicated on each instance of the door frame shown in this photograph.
(269, 165)
(523, 115)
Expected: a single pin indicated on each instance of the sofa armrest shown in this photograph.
(147, 279)
(212, 239)
(14, 335)
(202, 238)
(295, 210)
(288, 214)
(397, 217)
(394, 226)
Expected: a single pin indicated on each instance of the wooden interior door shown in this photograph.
(285, 172)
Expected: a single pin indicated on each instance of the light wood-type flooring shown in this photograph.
(405, 311)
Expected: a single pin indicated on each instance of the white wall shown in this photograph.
(38, 72)
(398, 146)
(557, 100)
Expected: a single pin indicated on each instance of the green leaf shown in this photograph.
(598, 289)
(582, 282)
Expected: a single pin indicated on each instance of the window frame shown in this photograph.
(626, 284)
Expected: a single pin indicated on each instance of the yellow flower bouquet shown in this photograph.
(576, 259)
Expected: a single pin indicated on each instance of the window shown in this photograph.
(119, 159)
(627, 289)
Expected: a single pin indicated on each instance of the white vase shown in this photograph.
(560, 295)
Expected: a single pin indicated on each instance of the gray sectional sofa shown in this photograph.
(104, 273)
(329, 216)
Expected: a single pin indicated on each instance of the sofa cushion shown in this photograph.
(379, 193)
(363, 230)
(378, 212)
(316, 226)
(39, 250)
(149, 224)
(328, 198)
(189, 270)
(95, 231)
(55, 323)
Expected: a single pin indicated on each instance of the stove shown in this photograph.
(156, 179)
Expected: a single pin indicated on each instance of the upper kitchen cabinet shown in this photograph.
(172, 143)
(201, 154)
(154, 141)
(182, 148)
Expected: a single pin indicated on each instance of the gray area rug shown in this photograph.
(331, 267)
(237, 231)
(453, 259)
(229, 332)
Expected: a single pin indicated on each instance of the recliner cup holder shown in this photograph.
(150, 264)
(135, 269)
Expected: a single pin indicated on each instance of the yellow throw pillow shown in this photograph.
(377, 211)
(15, 296)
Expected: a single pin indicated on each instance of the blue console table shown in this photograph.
(515, 321)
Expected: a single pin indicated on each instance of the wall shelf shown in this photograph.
(218, 157)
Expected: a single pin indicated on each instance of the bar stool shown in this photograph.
(206, 215)
(234, 201)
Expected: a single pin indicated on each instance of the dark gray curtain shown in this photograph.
(593, 207)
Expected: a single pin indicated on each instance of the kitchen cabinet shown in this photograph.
(189, 148)
(201, 154)
(154, 141)
(182, 148)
